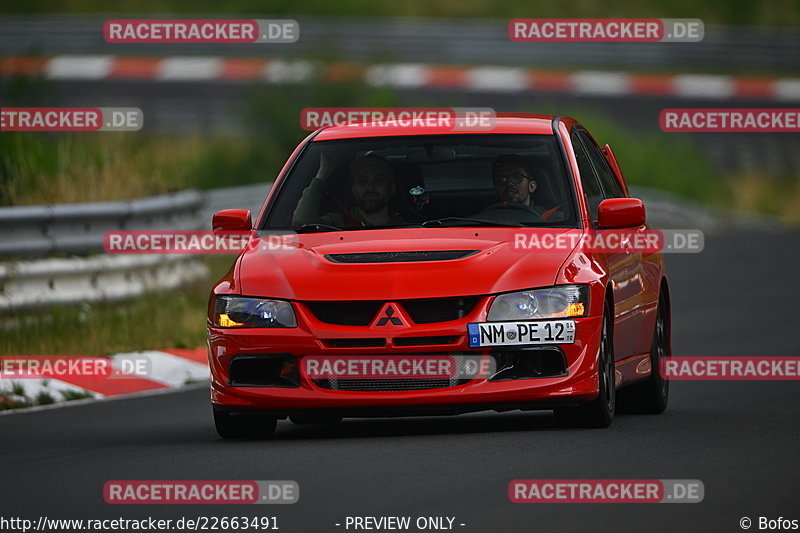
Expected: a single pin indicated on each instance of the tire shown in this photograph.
(652, 395)
(230, 426)
(599, 413)
(303, 419)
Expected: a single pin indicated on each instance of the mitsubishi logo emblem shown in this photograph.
(389, 318)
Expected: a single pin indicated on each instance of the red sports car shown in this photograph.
(404, 282)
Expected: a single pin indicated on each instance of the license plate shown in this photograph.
(521, 333)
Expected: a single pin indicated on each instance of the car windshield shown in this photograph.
(426, 181)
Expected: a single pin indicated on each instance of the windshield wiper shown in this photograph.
(474, 221)
(310, 228)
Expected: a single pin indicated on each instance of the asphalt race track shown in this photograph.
(738, 297)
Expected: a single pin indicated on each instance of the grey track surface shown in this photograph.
(740, 438)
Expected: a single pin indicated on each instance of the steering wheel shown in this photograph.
(503, 206)
(509, 211)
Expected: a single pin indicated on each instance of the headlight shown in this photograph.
(553, 302)
(238, 312)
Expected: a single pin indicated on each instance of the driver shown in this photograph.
(514, 185)
(513, 180)
(372, 184)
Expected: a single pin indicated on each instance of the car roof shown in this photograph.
(520, 124)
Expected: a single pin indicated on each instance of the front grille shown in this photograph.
(433, 310)
(355, 343)
(398, 385)
(345, 313)
(423, 311)
(400, 257)
(425, 341)
(383, 385)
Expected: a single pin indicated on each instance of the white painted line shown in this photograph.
(78, 67)
(497, 79)
(189, 68)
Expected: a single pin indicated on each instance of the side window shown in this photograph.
(591, 187)
(607, 179)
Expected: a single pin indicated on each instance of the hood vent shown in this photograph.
(400, 257)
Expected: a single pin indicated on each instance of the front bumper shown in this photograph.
(579, 384)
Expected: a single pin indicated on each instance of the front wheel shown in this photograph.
(652, 395)
(231, 426)
(598, 413)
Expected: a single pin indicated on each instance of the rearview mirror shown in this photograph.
(232, 220)
(620, 213)
(431, 155)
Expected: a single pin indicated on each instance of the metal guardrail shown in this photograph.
(241, 197)
(42, 230)
(78, 229)
(30, 284)
(30, 232)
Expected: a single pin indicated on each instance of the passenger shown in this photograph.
(372, 183)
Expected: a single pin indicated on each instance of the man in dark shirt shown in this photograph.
(372, 184)
(514, 185)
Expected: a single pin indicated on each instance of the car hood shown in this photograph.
(305, 273)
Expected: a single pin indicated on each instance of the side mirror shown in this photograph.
(620, 213)
(232, 220)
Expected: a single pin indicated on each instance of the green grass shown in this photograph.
(17, 388)
(739, 12)
(71, 395)
(44, 398)
(103, 166)
(36, 169)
